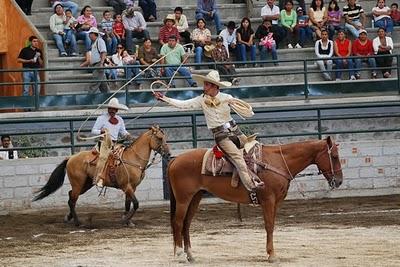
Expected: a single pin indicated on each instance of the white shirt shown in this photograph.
(267, 11)
(4, 154)
(384, 9)
(376, 43)
(215, 116)
(228, 38)
(137, 21)
(182, 24)
(114, 130)
(98, 47)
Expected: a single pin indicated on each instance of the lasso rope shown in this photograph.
(79, 137)
(242, 108)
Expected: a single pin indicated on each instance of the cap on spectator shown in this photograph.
(299, 9)
(362, 31)
(170, 17)
(231, 25)
(219, 39)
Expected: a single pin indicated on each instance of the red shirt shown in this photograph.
(395, 16)
(118, 27)
(166, 32)
(362, 50)
(343, 48)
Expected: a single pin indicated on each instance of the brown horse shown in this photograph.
(187, 185)
(129, 173)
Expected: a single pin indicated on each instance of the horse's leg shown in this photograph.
(73, 198)
(128, 202)
(194, 204)
(130, 194)
(179, 224)
(269, 211)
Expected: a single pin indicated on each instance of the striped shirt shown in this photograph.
(166, 32)
(353, 13)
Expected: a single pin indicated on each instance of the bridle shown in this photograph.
(160, 141)
(332, 180)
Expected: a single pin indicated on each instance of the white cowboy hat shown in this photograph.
(170, 17)
(212, 77)
(95, 30)
(114, 103)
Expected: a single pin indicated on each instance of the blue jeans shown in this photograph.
(169, 71)
(59, 39)
(71, 5)
(332, 29)
(340, 66)
(351, 28)
(304, 34)
(131, 72)
(243, 52)
(29, 77)
(137, 35)
(264, 52)
(111, 74)
(111, 44)
(198, 51)
(371, 64)
(149, 8)
(386, 23)
(84, 35)
(70, 39)
(207, 17)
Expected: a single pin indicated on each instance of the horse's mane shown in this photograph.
(136, 139)
(288, 146)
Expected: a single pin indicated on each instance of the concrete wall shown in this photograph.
(369, 168)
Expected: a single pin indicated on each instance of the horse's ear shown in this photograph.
(329, 141)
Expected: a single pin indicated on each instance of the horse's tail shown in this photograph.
(172, 204)
(55, 181)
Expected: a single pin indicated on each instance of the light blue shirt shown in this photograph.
(102, 122)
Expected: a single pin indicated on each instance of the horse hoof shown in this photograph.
(128, 223)
(181, 257)
(66, 219)
(191, 259)
(273, 259)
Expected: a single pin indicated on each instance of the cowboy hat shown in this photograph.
(170, 17)
(95, 30)
(114, 103)
(211, 77)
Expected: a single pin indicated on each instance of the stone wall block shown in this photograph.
(11, 182)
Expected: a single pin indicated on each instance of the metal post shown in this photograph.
(71, 136)
(36, 90)
(398, 73)
(194, 131)
(319, 124)
(305, 79)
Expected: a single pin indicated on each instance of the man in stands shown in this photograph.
(118, 5)
(167, 30)
(98, 55)
(229, 38)
(363, 47)
(271, 12)
(31, 58)
(354, 17)
(207, 10)
(182, 25)
(6, 144)
(135, 27)
(175, 55)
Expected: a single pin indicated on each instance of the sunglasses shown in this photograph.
(120, 47)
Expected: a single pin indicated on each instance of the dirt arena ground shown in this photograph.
(332, 232)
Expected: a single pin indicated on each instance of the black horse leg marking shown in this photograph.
(71, 203)
(127, 204)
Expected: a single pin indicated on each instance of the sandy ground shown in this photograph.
(333, 232)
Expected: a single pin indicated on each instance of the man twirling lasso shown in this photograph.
(112, 126)
(217, 107)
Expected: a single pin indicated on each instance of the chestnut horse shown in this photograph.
(129, 173)
(284, 161)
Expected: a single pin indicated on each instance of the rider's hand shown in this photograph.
(158, 95)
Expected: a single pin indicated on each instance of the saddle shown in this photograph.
(113, 161)
(216, 164)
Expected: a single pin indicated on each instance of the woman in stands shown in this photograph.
(318, 16)
(382, 17)
(57, 28)
(342, 47)
(267, 35)
(334, 18)
(324, 51)
(288, 21)
(201, 36)
(383, 45)
(245, 40)
(85, 21)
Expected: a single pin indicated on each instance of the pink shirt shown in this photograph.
(91, 20)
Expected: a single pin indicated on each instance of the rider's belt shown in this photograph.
(224, 127)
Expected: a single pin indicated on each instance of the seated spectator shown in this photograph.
(272, 12)
(67, 5)
(175, 55)
(245, 40)
(85, 21)
(111, 73)
(318, 16)
(289, 21)
(168, 29)
(324, 51)
(267, 43)
(383, 45)
(134, 70)
(395, 14)
(220, 55)
(147, 56)
(31, 58)
(149, 9)
(57, 28)
(6, 144)
(135, 27)
(207, 10)
(70, 24)
(201, 36)
(26, 6)
(117, 60)
(342, 47)
(119, 29)
(301, 3)
(106, 26)
(229, 38)
(354, 17)
(118, 6)
(304, 32)
(382, 17)
(363, 47)
(334, 18)
(182, 25)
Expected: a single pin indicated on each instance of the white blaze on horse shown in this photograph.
(277, 166)
(128, 174)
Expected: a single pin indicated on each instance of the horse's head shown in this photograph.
(328, 163)
(158, 141)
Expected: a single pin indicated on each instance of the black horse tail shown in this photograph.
(172, 203)
(55, 181)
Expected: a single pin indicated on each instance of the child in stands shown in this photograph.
(395, 14)
(106, 25)
(334, 17)
(304, 31)
(119, 29)
(70, 32)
